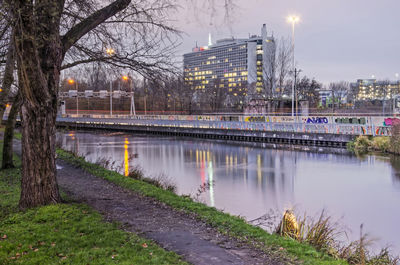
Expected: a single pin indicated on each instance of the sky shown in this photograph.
(335, 39)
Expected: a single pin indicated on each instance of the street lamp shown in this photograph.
(293, 20)
(111, 98)
(72, 82)
(132, 108)
(110, 51)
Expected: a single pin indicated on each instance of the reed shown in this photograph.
(323, 233)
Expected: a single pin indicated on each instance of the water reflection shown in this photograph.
(249, 180)
(395, 162)
(126, 157)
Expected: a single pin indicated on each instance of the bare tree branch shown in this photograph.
(79, 30)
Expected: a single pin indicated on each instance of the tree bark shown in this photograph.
(39, 57)
(40, 51)
(7, 161)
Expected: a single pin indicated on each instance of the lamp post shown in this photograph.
(72, 82)
(110, 52)
(132, 108)
(293, 20)
(110, 97)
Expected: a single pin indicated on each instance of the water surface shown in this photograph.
(249, 180)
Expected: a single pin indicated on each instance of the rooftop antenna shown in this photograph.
(209, 39)
(196, 44)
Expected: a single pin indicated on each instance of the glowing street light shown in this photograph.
(132, 108)
(293, 20)
(110, 51)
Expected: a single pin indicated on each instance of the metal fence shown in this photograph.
(302, 124)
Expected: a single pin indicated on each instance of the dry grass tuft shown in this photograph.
(324, 234)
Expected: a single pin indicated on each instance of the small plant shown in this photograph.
(136, 173)
(267, 221)
(202, 189)
(289, 226)
(160, 181)
(323, 234)
(362, 144)
(381, 144)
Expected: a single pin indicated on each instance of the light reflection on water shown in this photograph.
(249, 181)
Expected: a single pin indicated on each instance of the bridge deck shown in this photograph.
(320, 134)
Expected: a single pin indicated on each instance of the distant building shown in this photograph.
(371, 89)
(325, 97)
(230, 64)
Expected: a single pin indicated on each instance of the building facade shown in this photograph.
(230, 64)
(371, 89)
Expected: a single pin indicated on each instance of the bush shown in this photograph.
(362, 145)
(381, 143)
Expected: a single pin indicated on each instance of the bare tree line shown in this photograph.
(39, 39)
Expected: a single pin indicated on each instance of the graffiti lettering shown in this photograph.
(317, 120)
(347, 120)
(391, 122)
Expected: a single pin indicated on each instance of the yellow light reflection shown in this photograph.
(259, 173)
(126, 157)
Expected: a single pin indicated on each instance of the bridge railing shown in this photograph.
(371, 126)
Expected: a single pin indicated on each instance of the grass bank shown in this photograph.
(287, 248)
(384, 144)
(67, 233)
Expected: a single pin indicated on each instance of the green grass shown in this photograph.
(225, 223)
(66, 234)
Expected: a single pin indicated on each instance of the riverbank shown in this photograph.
(232, 233)
(383, 144)
(67, 233)
(236, 229)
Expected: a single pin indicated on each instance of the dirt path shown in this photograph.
(194, 240)
(173, 230)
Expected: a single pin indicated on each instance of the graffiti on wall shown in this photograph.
(254, 119)
(350, 120)
(316, 120)
(391, 121)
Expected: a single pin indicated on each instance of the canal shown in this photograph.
(250, 180)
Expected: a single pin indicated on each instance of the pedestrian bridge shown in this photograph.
(306, 130)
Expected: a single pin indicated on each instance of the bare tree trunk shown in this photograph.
(39, 57)
(7, 161)
(40, 51)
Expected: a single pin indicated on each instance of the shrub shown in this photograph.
(362, 145)
(381, 143)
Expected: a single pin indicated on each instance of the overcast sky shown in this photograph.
(335, 39)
